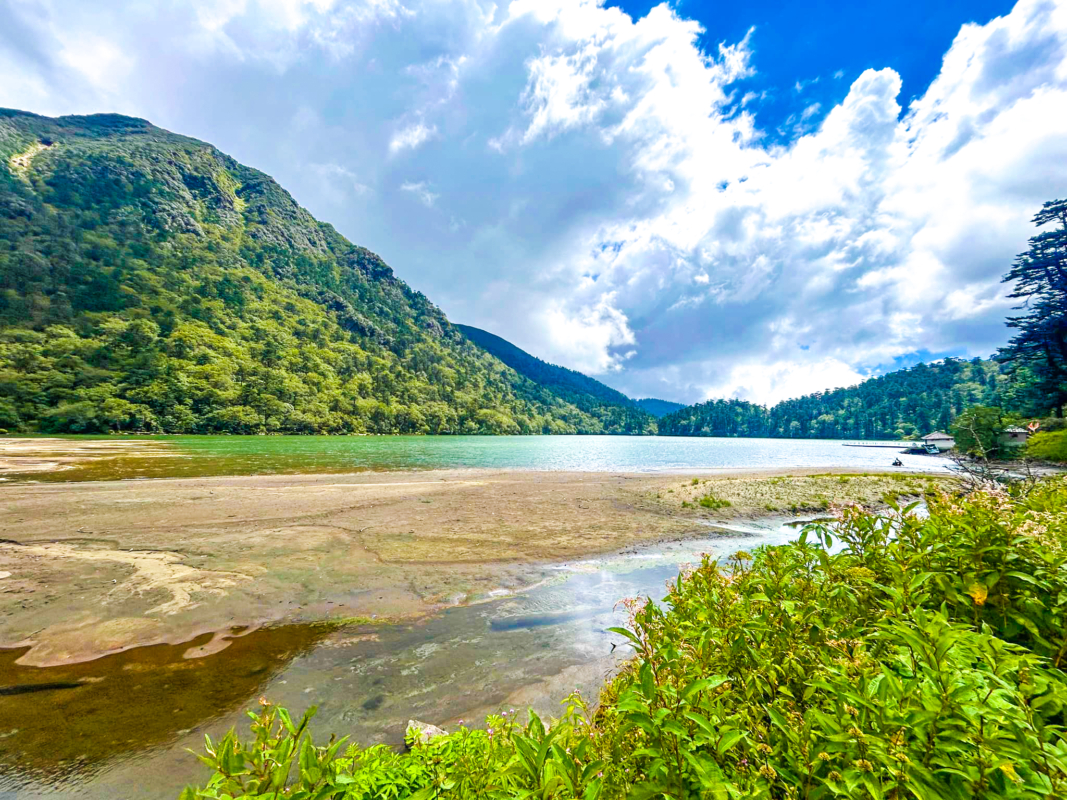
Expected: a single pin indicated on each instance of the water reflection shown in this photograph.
(60, 725)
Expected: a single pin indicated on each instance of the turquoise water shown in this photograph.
(198, 456)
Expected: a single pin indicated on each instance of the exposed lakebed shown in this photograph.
(117, 727)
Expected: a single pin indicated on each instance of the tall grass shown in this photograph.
(921, 658)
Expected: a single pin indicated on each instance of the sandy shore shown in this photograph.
(98, 567)
(41, 454)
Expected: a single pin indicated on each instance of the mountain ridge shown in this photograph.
(617, 412)
(149, 281)
(658, 408)
(907, 402)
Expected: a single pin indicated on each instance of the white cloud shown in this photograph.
(412, 136)
(769, 383)
(610, 190)
(422, 191)
(344, 179)
(589, 335)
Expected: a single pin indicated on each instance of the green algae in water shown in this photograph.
(57, 722)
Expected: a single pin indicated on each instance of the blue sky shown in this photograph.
(641, 193)
(822, 46)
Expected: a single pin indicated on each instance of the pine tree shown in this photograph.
(1040, 278)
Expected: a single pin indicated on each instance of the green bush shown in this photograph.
(977, 429)
(920, 659)
(1048, 446)
(711, 501)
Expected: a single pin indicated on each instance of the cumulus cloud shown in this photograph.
(590, 337)
(610, 200)
(772, 382)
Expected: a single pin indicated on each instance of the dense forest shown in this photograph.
(615, 411)
(659, 408)
(150, 282)
(909, 402)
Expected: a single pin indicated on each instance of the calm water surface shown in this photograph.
(198, 456)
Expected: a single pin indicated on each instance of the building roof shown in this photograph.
(936, 435)
(1015, 429)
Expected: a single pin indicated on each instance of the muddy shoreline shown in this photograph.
(95, 568)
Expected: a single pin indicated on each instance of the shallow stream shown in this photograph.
(118, 727)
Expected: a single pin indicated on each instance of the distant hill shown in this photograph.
(616, 412)
(150, 282)
(907, 402)
(658, 408)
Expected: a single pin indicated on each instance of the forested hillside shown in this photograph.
(658, 408)
(150, 282)
(615, 411)
(909, 402)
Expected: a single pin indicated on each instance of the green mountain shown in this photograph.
(616, 412)
(658, 408)
(908, 402)
(150, 282)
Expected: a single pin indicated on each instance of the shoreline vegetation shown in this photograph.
(885, 656)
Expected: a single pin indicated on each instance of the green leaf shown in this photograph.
(703, 685)
(728, 740)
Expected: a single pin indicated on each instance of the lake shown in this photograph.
(201, 456)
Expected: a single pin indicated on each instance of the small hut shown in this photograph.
(1013, 437)
(941, 440)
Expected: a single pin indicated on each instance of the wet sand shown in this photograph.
(43, 456)
(93, 568)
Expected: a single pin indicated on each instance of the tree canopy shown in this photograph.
(1038, 351)
(907, 403)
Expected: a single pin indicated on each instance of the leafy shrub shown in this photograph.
(711, 501)
(1048, 446)
(921, 658)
